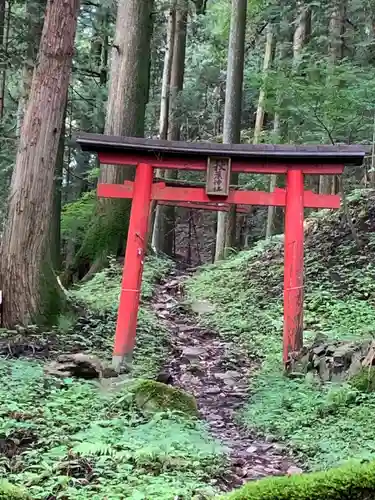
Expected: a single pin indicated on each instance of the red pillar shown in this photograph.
(133, 266)
(293, 267)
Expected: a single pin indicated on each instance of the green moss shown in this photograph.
(355, 482)
(10, 492)
(154, 397)
(364, 381)
(106, 233)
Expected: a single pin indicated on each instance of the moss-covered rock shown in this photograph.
(354, 482)
(152, 397)
(364, 381)
(10, 492)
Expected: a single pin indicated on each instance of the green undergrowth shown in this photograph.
(90, 440)
(326, 425)
(352, 482)
(82, 442)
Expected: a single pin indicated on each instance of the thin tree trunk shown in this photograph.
(271, 215)
(300, 37)
(302, 32)
(127, 99)
(167, 70)
(34, 12)
(29, 284)
(226, 223)
(259, 121)
(5, 11)
(337, 22)
(156, 224)
(174, 126)
(268, 57)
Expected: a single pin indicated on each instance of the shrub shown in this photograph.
(364, 381)
(10, 492)
(352, 482)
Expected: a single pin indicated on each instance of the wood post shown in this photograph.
(293, 263)
(133, 267)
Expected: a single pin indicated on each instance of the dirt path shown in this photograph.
(202, 364)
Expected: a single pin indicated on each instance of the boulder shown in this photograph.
(332, 361)
(153, 397)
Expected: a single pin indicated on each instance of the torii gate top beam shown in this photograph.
(246, 158)
(265, 153)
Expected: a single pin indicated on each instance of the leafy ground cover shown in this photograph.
(350, 482)
(326, 425)
(74, 439)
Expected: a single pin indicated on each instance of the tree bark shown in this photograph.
(29, 285)
(57, 199)
(34, 12)
(5, 10)
(127, 99)
(226, 223)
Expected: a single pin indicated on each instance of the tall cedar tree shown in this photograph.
(127, 99)
(27, 280)
(226, 224)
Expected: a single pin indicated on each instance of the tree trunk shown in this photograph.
(127, 99)
(167, 71)
(29, 285)
(337, 21)
(337, 31)
(100, 50)
(2, 47)
(57, 200)
(226, 223)
(268, 57)
(34, 12)
(302, 32)
(156, 224)
(5, 10)
(300, 38)
(174, 128)
(259, 120)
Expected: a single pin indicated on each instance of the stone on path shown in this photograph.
(79, 365)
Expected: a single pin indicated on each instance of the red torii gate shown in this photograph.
(219, 160)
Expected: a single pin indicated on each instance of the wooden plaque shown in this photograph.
(218, 176)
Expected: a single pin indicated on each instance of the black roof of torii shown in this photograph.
(304, 154)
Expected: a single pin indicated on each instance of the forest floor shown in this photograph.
(325, 424)
(217, 374)
(77, 439)
(74, 439)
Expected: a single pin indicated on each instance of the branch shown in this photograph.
(329, 133)
(257, 33)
